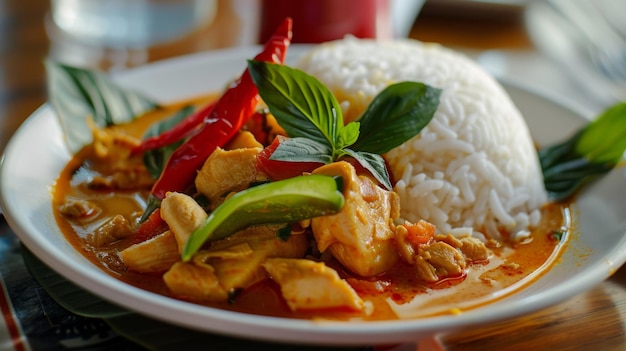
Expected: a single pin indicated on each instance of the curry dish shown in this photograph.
(265, 201)
(360, 262)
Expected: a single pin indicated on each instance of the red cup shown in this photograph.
(316, 21)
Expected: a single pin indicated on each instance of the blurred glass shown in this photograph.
(143, 31)
(586, 38)
(130, 23)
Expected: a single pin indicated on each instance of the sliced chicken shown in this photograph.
(439, 260)
(235, 262)
(361, 235)
(183, 215)
(410, 236)
(154, 255)
(474, 250)
(79, 209)
(116, 166)
(307, 285)
(110, 231)
(242, 140)
(239, 272)
(228, 171)
(194, 281)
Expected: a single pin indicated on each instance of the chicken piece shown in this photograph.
(79, 209)
(228, 171)
(439, 260)
(307, 285)
(235, 251)
(450, 240)
(112, 143)
(111, 231)
(405, 248)
(183, 215)
(474, 250)
(410, 236)
(112, 158)
(235, 263)
(240, 272)
(361, 235)
(194, 281)
(242, 140)
(235, 266)
(154, 255)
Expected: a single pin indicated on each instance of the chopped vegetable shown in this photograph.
(155, 159)
(284, 201)
(230, 112)
(150, 228)
(182, 129)
(558, 235)
(420, 233)
(591, 152)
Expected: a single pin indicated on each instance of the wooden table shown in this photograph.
(591, 320)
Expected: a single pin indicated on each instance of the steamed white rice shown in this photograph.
(474, 168)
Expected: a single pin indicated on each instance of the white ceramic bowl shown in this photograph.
(35, 155)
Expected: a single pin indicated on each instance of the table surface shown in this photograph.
(591, 320)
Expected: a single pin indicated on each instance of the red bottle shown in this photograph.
(316, 21)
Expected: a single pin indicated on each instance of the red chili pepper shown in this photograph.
(150, 228)
(182, 130)
(230, 112)
(278, 170)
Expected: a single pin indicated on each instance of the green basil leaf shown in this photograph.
(374, 163)
(563, 179)
(77, 94)
(166, 124)
(552, 155)
(348, 135)
(604, 139)
(302, 150)
(155, 160)
(562, 189)
(396, 114)
(591, 152)
(301, 104)
(558, 235)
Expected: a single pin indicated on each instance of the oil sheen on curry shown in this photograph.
(362, 261)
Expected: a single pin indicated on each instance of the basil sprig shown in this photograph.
(310, 115)
(591, 152)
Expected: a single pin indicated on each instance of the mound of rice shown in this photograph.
(474, 168)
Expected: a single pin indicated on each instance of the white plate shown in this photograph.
(35, 155)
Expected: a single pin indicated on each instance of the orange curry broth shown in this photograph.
(524, 262)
